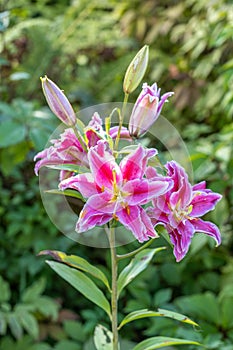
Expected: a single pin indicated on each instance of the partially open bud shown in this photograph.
(58, 102)
(146, 109)
(136, 70)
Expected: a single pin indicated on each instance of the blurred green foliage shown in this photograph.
(85, 46)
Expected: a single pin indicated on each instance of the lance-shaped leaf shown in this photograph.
(69, 167)
(161, 342)
(78, 263)
(82, 283)
(68, 192)
(28, 321)
(102, 338)
(135, 315)
(138, 264)
(3, 323)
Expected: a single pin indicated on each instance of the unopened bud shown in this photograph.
(146, 109)
(136, 70)
(58, 102)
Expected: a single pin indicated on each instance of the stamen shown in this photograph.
(115, 189)
(82, 214)
(115, 217)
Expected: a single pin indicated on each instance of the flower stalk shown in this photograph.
(114, 301)
(134, 252)
(121, 119)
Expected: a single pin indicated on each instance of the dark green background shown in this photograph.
(85, 47)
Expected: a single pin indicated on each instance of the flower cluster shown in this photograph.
(130, 191)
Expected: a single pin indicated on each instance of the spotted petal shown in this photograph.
(208, 228)
(134, 165)
(181, 239)
(141, 191)
(182, 190)
(103, 166)
(203, 202)
(135, 219)
(97, 211)
(83, 183)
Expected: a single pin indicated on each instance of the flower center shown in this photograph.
(181, 214)
(118, 194)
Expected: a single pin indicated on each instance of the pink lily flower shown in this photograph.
(180, 209)
(65, 150)
(146, 109)
(117, 191)
(68, 150)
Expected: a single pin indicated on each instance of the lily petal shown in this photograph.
(124, 134)
(181, 239)
(134, 165)
(103, 166)
(89, 218)
(182, 190)
(207, 227)
(101, 203)
(200, 186)
(204, 202)
(65, 150)
(141, 191)
(83, 183)
(136, 220)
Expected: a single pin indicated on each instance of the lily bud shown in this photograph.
(136, 70)
(146, 109)
(58, 102)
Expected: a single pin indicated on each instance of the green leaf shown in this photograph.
(41, 346)
(78, 263)
(47, 306)
(29, 322)
(34, 291)
(69, 167)
(69, 193)
(82, 283)
(138, 264)
(176, 316)
(226, 312)
(11, 133)
(74, 330)
(67, 345)
(102, 338)
(135, 315)
(15, 326)
(39, 137)
(162, 296)
(5, 292)
(204, 306)
(161, 342)
(3, 323)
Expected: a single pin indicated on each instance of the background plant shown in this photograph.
(186, 38)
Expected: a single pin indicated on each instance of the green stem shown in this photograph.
(79, 137)
(128, 255)
(121, 121)
(114, 288)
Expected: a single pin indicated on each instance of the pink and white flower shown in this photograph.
(146, 109)
(180, 209)
(68, 149)
(117, 191)
(65, 150)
